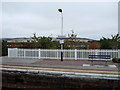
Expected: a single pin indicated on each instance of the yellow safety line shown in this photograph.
(56, 69)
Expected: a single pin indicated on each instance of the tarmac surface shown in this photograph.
(76, 66)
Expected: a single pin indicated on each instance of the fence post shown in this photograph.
(16, 52)
(96, 52)
(118, 53)
(39, 53)
(75, 54)
(8, 52)
(24, 53)
(57, 53)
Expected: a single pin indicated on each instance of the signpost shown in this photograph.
(61, 43)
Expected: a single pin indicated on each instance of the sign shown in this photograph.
(61, 37)
(61, 41)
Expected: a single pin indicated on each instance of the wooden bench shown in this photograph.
(99, 58)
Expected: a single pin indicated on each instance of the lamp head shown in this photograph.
(60, 10)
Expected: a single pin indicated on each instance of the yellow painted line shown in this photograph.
(62, 70)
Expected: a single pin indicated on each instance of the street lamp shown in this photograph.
(60, 10)
(61, 40)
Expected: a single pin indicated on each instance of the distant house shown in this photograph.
(70, 42)
(17, 42)
(74, 42)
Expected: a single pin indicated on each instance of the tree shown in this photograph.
(105, 43)
(44, 42)
(4, 48)
(94, 45)
(0, 48)
(35, 41)
(113, 43)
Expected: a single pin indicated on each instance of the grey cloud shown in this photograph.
(92, 20)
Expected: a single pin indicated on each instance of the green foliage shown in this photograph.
(0, 48)
(113, 43)
(45, 43)
(105, 43)
(4, 48)
(116, 60)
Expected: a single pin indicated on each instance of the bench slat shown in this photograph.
(99, 56)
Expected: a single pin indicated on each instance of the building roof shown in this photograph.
(75, 38)
(24, 38)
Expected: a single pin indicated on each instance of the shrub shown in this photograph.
(116, 60)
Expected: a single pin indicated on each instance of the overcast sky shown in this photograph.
(88, 19)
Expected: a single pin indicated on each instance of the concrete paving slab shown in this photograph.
(57, 64)
(90, 65)
(18, 60)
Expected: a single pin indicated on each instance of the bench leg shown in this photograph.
(106, 63)
(92, 62)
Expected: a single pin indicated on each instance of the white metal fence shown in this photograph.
(56, 54)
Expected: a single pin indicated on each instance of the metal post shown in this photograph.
(61, 52)
(60, 10)
(61, 24)
(62, 35)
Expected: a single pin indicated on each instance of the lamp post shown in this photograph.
(61, 40)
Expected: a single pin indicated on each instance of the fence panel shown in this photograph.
(69, 54)
(56, 53)
(83, 54)
(31, 53)
(12, 52)
(52, 54)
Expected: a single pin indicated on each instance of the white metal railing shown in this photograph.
(56, 53)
